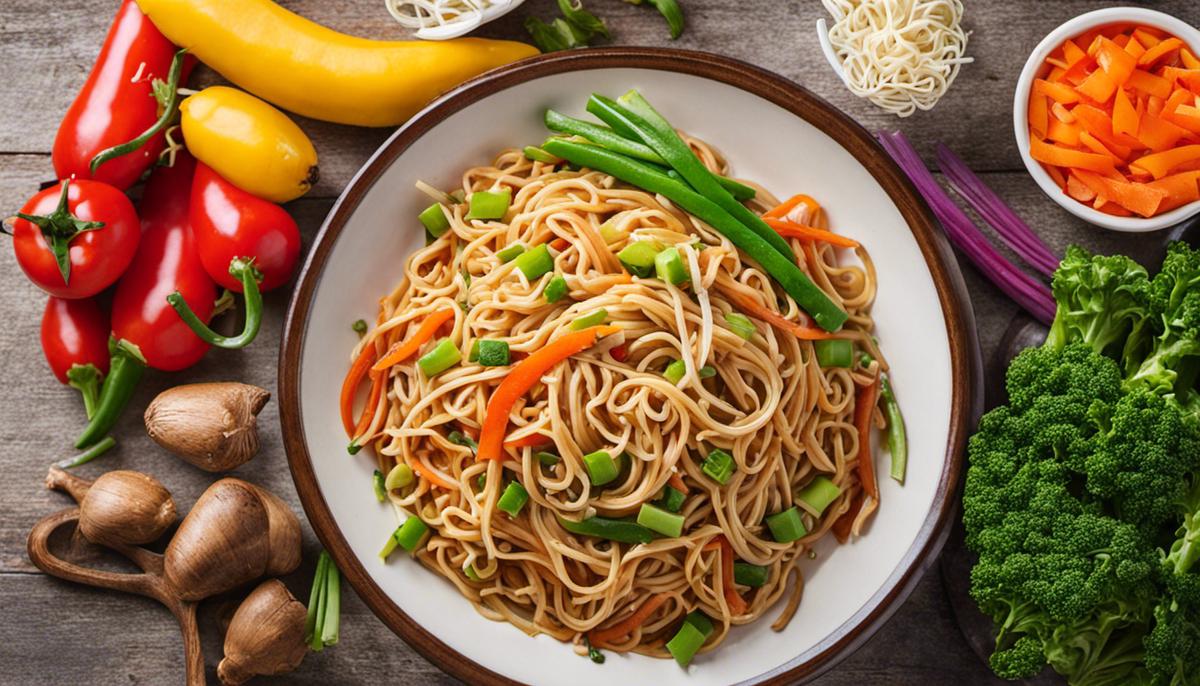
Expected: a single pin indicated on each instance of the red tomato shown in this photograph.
(112, 107)
(97, 256)
(228, 222)
(166, 261)
(74, 332)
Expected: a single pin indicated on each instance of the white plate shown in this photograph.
(924, 324)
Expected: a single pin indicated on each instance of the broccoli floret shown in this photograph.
(1143, 462)
(1171, 365)
(1023, 660)
(1173, 645)
(1102, 300)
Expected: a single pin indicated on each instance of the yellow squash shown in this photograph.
(315, 71)
(253, 145)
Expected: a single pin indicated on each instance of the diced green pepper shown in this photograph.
(547, 459)
(719, 466)
(377, 485)
(443, 356)
(400, 476)
(601, 467)
(511, 253)
(612, 234)
(668, 266)
(513, 499)
(490, 353)
(489, 204)
(536, 262)
(741, 325)
(787, 526)
(675, 371)
(834, 352)
(590, 319)
(671, 500)
(434, 220)
(685, 644)
(661, 521)
(707, 372)
(638, 257)
(411, 533)
(818, 494)
(556, 288)
(750, 575)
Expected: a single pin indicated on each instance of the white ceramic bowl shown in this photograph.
(1081, 24)
(772, 131)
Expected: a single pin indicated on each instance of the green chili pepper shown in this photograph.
(617, 530)
(243, 270)
(125, 368)
(897, 435)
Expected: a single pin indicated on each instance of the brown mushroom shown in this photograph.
(211, 425)
(266, 635)
(120, 507)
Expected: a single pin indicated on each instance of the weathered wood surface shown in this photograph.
(55, 632)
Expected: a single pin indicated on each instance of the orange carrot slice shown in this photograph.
(1188, 59)
(841, 528)
(1159, 51)
(1065, 157)
(1158, 134)
(1138, 198)
(1115, 61)
(1059, 92)
(1098, 86)
(794, 230)
(529, 441)
(1149, 84)
(864, 408)
(429, 475)
(602, 637)
(405, 349)
(1039, 115)
(1125, 116)
(785, 208)
(1079, 190)
(1160, 164)
(358, 372)
(751, 306)
(737, 605)
(1060, 132)
(676, 482)
(1181, 189)
(525, 375)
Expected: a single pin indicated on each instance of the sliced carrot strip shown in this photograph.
(1134, 48)
(1061, 113)
(1181, 189)
(1189, 59)
(1072, 53)
(1138, 198)
(1059, 132)
(626, 626)
(430, 475)
(1186, 117)
(1159, 51)
(1115, 61)
(1092, 143)
(676, 482)
(1079, 190)
(1099, 124)
(1057, 175)
(1146, 37)
(1039, 115)
(530, 441)
(785, 208)
(405, 349)
(1098, 86)
(1160, 164)
(864, 407)
(751, 306)
(1064, 157)
(560, 244)
(841, 528)
(1149, 84)
(354, 377)
(1059, 92)
(1158, 134)
(1114, 209)
(1125, 116)
(368, 413)
(525, 375)
(737, 604)
(795, 230)
(1185, 77)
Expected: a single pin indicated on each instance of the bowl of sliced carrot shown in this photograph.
(1107, 118)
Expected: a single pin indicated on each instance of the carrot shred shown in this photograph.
(1098, 86)
(560, 244)
(676, 482)
(1134, 48)
(1145, 36)
(864, 407)
(626, 626)
(1092, 143)
(1116, 62)
(1159, 51)
(1061, 113)
(1061, 132)
(529, 441)
(1149, 84)
(525, 375)
(1056, 174)
(1079, 190)
(1158, 134)
(842, 527)
(1138, 198)
(403, 350)
(1160, 164)
(1065, 157)
(1125, 116)
(1072, 53)
(1188, 59)
(368, 413)
(785, 208)
(1039, 115)
(737, 604)
(792, 229)
(1100, 124)
(1181, 189)
(358, 371)
(430, 475)
(751, 306)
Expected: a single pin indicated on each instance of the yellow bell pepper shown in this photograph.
(251, 144)
(315, 71)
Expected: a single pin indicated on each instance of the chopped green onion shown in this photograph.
(513, 499)
(400, 476)
(668, 266)
(675, 372)
(359, 326)
(672, 499)
(897, 435)
(750, 575)
(638, 257)
(556, 288)
(741, 325)
(591, 319)
(834, 352)
(333, 606)
(353, 448)
(593, 654)
(411, 533)
(460, 438)
(617, 530)
(601, 467)
(434, 220)
(473, 575)
(390, 545)
(536, 262)
(489, 204)
(443, 356)
(719, 466)
(787, 526)
(701, 621)
(707, 372)
(546, 458)
(481, 481)
(377, 485)
(316, 599)
(686, 643)
(511, 253)
(818, 494)
(538, 155)
(490, 353)
(661, 521)
(612, 234)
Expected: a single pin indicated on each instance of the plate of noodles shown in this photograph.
(661, 363)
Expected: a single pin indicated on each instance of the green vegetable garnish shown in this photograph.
(434, 220)
(489, 204)
(443, 356)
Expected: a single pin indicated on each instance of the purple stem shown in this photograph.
(1028, 292)
(1015, 233)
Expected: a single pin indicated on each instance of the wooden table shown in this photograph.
(55, 632)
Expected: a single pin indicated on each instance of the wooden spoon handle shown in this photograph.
(39, 553)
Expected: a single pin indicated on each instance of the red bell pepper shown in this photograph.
(74, 239)
(113, 107)
(246, 244)
(75, 342)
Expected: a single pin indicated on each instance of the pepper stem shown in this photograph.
(86, 378)
(125, 367)
(240, 268)
(168, 96)
(59, 228)
(88, 455)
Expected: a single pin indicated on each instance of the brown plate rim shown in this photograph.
(966, 366)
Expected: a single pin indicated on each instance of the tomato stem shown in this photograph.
(59, 228)
(86, 378)
(124, 371)
(168, 95)
(243, 269)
